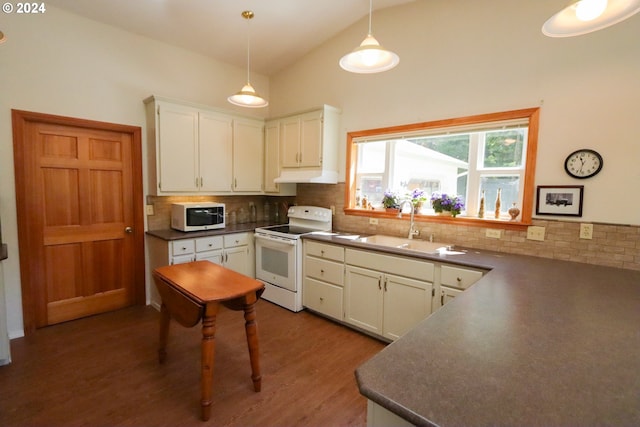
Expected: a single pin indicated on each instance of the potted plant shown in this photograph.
(444, 204)
(390, 201)
(417, 198)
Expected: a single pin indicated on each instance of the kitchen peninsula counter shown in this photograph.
(536, 341)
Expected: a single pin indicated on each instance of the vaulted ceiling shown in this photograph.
(281, 32)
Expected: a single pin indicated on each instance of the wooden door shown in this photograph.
(80, 223)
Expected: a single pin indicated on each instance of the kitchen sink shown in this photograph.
(409, 244)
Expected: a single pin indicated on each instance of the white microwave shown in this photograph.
(197, 216)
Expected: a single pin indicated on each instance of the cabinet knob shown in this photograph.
(210, 244)
(459, 279)
(321, 271)
(322, 252)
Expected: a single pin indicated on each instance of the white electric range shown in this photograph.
(279, 254)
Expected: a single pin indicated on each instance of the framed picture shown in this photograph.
(559, 200)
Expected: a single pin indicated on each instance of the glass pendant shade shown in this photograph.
(369, 57)
(247, 97)
(586, 16)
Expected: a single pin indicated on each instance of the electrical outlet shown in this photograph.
(535, 232)
(373, 221)
(586, 231)
(333, 209)
(150, 210)
(494, 234)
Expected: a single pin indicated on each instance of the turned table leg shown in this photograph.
(252, 339)
(208, 354)
(164, 333)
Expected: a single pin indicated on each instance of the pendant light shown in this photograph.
(247, 97)
(586, 16)
(369, 57)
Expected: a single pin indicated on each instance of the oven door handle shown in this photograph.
(275, 240)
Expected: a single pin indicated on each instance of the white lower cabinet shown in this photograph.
(324, 279)
(453, 281)
(233, 251)
(386, 295)
(380, 293)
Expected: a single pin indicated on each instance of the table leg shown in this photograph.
(252, 339)
(208, 354)
(164, 333)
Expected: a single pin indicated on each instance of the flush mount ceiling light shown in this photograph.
(247, 97)
(586, 16)
(369, 57)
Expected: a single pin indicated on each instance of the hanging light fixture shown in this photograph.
(586, 16)
(247, 97)
(369, 57)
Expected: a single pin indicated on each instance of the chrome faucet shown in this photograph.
(412, 230)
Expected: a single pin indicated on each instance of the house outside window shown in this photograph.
(469, 157)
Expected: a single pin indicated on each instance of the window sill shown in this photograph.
(459, 220)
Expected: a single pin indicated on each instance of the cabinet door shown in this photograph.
(310, 140)
(237, 259)
(289, 142)
(406, 302)
(177, 152)
(448, 294)
(181, 259)
(215, 152)
(247, 155)
(271, 156)
(363, 299)
(213, 256)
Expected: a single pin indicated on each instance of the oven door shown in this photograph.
(276, 260)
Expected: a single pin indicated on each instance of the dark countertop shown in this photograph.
(534, 342)
(4, 252)
(171, 234)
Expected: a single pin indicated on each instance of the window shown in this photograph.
(472, 157)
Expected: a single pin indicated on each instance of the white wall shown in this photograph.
(461, 57)
(59, 63)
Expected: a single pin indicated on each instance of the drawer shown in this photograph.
(322, 250)
(458, 277)
(182, 247)
(208, 243)
(323, 298)
(401, 266)
(232, 240)
(328, 271)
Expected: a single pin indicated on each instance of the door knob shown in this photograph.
(128, 230)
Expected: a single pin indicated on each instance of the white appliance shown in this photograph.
(197, 216)
(279, 254)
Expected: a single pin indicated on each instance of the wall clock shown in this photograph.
(583, 163)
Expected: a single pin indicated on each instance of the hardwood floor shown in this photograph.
(104, 371)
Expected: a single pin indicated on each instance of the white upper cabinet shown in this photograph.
(247, 155)
(193, 150)
(216, 151)
(177, 148)
(309, 146)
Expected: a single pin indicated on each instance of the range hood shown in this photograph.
(316, 176)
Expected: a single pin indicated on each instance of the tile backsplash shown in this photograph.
(612, 245)
(161, 219)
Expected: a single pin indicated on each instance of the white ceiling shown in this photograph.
(281, 32)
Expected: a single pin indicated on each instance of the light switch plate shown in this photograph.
(493, 233)
(535, 232)
(373, 221)
(150, 210)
